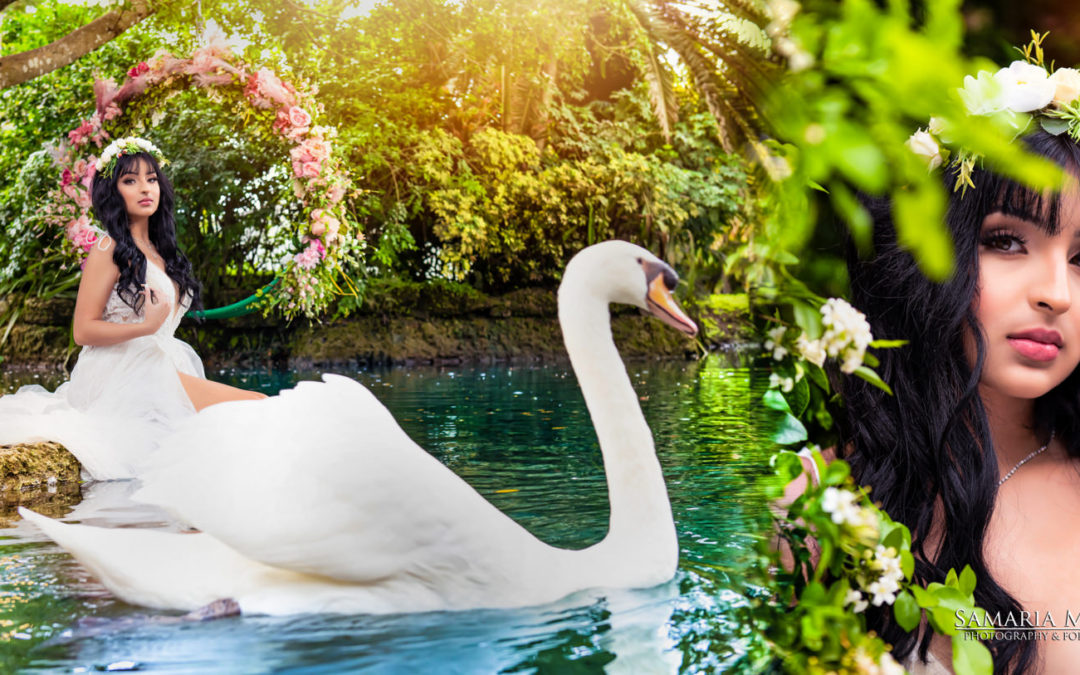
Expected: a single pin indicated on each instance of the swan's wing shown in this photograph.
(163, 570)
(321, 479)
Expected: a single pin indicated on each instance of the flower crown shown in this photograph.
(1025, 88)
(130, 145)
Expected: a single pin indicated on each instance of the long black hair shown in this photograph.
(110, 210)
(926, 452)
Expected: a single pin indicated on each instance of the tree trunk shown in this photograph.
(24, 66)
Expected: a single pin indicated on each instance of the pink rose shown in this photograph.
(66, 178)
(317, 148)
(311, 169)
(300, 153)
(71, 191)
(337, 193)
(332, 227)
(112, 111)
(298, 117)
(282, 121)
(80, 168)
(83, 199)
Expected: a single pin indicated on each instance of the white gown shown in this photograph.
(121, 399)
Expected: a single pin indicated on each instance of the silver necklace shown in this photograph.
(1027, 459)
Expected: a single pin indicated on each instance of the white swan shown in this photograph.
(315, 500)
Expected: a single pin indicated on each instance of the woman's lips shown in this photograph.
(146, 202)
(1033, 349)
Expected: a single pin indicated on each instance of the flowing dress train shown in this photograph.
(120, 400)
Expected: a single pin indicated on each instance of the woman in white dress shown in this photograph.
(133, 381)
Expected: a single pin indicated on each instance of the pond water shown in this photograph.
(523, 438)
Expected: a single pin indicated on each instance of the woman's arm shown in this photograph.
(99, 276)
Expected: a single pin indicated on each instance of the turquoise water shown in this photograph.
(522, 437)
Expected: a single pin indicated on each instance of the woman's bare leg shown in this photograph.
(205, 393)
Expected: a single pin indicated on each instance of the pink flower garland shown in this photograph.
(317, 181)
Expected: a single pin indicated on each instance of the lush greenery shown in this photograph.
(486, 141)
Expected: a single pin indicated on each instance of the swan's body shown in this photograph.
(316, 500)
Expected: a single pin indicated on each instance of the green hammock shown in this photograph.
(245, 306)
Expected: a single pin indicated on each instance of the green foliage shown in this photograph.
(486, 141)
(846, 553)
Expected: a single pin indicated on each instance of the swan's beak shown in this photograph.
(662, 280)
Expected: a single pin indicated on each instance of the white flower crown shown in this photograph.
(1024, 87)
(129, 145)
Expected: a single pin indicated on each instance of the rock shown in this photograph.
(41, 476)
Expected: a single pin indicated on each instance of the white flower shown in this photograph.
(840, 504)
(924, 145)
(787, 384)
(855, 598)
(938, 127)
(1066, 85)
(982, 95)
(773, 343)
(882, 592)
(847, 333)
(1025, 87)
(774, 381)
(811, 350)
(889, 666)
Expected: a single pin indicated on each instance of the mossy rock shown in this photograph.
(35, 466)
(40, 476)
(29, 343)
(395, 297)
(50, 312)
(526, 302)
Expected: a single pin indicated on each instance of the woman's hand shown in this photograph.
(155, 310)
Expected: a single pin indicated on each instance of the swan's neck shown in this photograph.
(640, 510)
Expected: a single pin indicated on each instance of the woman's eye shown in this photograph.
(1006, 243)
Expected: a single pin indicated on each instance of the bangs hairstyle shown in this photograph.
(111, 212)
(926, 451)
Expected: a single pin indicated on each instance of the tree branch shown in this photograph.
(24, 66)
(4, 4)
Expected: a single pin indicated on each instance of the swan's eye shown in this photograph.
(640, 261)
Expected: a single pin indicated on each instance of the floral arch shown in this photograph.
(326, 237)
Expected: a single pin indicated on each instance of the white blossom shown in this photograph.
(811, 350)
(856, 599)
(926, 146)
(840, 504)
(847, 333)
(1025, 87)
(982, 95)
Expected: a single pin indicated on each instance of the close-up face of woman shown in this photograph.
(139, 187)
(1029, 301)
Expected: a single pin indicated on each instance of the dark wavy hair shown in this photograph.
(926, 452)
(110, 210)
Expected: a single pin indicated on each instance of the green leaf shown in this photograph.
(1054, 126)
(907, 611)
(920, 224)
(836, 473)
(943, 620)
(907, 564)
(799, 397)
(789, 430)
(924, 597)
(887, 344)
(873, 378)
(967, 580)
(952, 580)
(774, 400)
(971, 657)
(855, 214)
